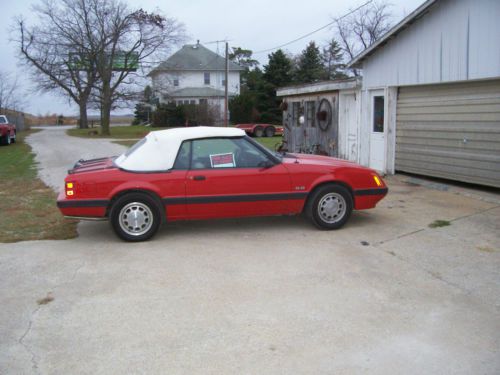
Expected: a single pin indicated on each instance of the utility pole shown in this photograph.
(226, 83)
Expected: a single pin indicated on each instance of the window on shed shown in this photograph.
(296, 113)
(310, 113)
(206, 77)
(378, 114)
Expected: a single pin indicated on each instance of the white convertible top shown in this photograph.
(158, 150)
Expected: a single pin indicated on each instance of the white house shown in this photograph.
(195, 75)
(431, 93)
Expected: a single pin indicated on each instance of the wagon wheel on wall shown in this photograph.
(324, 114)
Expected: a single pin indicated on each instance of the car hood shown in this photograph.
(92, 165)
(319, 160)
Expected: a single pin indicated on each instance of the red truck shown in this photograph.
(259, 130)
(7, 131)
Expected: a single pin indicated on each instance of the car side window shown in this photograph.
(182, 160)
(217, 153)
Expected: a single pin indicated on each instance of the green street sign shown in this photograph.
(122, 61)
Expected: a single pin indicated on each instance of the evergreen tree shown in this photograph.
(310, 67)
(278, 70)
(143, 108)
(277, 73)
(332, 58)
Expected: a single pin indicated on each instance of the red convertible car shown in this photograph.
(207, 173)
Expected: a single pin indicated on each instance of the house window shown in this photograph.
(203, 102)
(310, 111)
(206, 77)
(378, 114)
(176, 81)
(223, 82)
(192, 102)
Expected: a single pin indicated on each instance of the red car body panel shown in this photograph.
(219, 193)
(6, 128)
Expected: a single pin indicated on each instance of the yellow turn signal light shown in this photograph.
(69, 185)
(377, 180)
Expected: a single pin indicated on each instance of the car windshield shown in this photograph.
(3, 120)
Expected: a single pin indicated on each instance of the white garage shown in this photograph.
(431, 94)
(450, 131)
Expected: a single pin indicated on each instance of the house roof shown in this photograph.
(158, 150)
(313, 88)
(195, 57)
(392, 33)
(198, 92)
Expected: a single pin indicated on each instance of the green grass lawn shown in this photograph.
(131, 134)
(27, 205)
(270, 143)
(118, 132)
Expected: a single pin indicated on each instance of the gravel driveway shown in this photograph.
(384, 295)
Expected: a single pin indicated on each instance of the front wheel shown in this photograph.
(6, 139)
(135, 217)
(330, 207)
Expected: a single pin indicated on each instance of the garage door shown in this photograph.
(450, 131)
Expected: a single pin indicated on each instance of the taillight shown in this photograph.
(70, 189)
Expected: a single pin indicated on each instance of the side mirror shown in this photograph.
(266, 164)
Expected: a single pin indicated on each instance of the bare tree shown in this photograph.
(363, 28)
(91, 49)
(57, 49)
(126, 39)
(10, 97)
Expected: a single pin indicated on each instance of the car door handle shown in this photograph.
(198, 178)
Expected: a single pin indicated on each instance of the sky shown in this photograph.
(254, 24)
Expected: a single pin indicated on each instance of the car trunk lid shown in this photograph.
(92, 165)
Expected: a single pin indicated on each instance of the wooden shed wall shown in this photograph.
(303, 137)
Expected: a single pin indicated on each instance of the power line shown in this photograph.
(315, 31)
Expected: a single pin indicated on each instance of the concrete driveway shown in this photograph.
(384, 295)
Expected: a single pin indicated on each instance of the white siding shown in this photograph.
(457, 40)
(164, 82)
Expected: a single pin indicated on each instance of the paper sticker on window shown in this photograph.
(222, 160)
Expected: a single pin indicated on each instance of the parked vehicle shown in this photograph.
(260, 130)
(208, 173)
(7, 131)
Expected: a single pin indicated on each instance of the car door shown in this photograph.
(232, 177)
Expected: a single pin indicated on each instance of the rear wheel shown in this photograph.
(258, 131)
(270, 131)
(135, 217)
(330, 206)
(7, 139)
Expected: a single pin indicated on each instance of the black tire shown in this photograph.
(7, 139)
(329, 207)
(147, 218)
(270, 131)
(258, 132)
